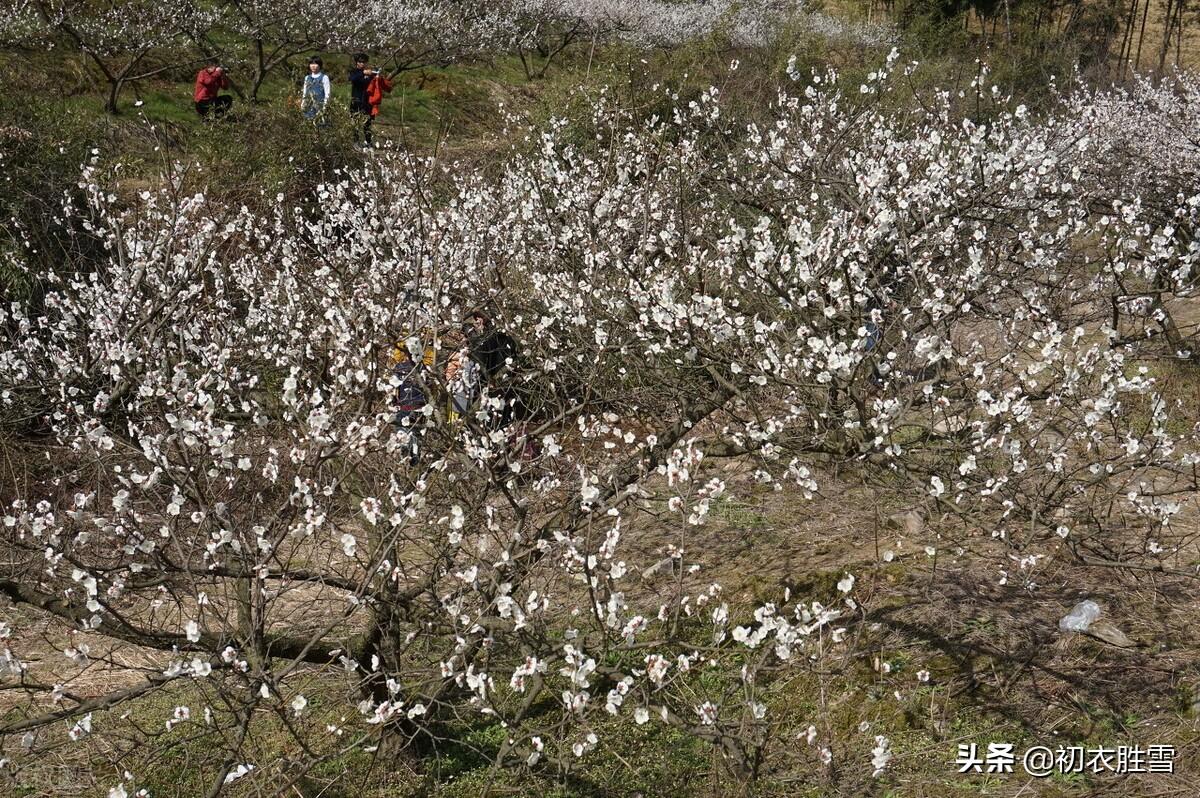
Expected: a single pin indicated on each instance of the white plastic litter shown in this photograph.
(1081, 617)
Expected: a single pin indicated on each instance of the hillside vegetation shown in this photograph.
(679, 398)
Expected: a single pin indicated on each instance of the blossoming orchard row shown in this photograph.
(136, 40)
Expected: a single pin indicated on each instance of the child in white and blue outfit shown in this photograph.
(314, 95)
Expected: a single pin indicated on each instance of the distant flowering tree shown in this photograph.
(1152, 162)
(20, 24)
(134, 40)
(399, 35)
(118, 37)
(211, 471)
(435, 32)
(649, 22)
(274, 31)
(548, 27)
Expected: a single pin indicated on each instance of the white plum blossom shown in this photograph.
(881, 754)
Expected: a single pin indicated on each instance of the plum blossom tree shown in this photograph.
(119, 37)
(435, 32)
(133, 41)
(1160, 163)
(401, 36)
(212, 473)
(550, 26)
(20, 24)
(272, 31)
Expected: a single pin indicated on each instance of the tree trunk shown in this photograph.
(259, 77)
(1181, 9)
(1127, 40)
(260, 71)
(1168, 21)
(524, 63)
(1137, 63)
(114, 89)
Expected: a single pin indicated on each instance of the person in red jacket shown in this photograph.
(208, 97)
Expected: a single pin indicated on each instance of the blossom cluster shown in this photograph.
(657, 23)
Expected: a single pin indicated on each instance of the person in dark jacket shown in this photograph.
(496, 353)
(410, 400)
(497, 356)
(207, 95)
(361, 78)
(491, 347)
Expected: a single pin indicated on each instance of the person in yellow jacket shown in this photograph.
(401, 350)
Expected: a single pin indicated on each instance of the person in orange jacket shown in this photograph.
(207, 95)
(367, 87)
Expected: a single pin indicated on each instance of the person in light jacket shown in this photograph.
(315, 93)
(462, 375)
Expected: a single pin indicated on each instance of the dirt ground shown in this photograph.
(998, 667)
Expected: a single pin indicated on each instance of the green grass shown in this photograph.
(425, 103)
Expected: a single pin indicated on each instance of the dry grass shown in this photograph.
(1000, 670)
